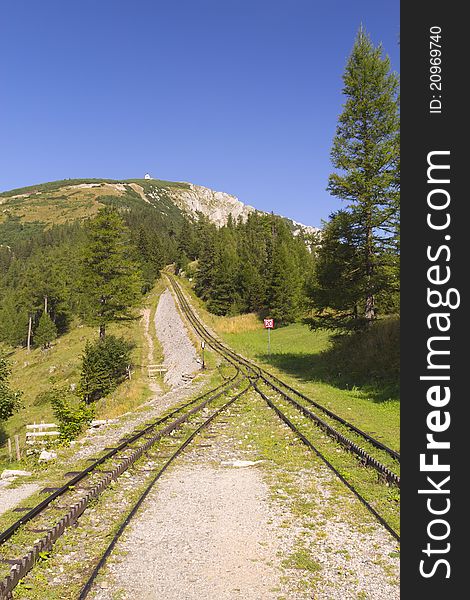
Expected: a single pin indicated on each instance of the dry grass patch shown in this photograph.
(237, 324)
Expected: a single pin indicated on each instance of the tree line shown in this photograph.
(48, 281)
(252, 266)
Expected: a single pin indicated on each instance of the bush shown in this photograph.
(104, 367)
(72, 413)
(9, 399)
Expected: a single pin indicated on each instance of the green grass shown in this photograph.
(301, 559)
(306, 360)
(297, 357)
(297, 339)
(37, 371)
(51, 186)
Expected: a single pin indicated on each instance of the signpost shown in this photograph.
(269, 324)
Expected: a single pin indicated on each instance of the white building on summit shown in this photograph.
(147, 176)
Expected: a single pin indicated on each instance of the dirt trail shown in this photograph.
(153, 383)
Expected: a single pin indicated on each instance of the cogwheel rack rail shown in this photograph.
(245, 371)
(88, 585)
(126, 454)
(257, 374)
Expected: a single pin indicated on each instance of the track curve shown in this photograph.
(256, 374)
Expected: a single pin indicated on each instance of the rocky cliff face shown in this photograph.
(216, 206)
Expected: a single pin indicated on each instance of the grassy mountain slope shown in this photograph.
(24, 211)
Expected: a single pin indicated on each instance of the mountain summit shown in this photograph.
(77, 199)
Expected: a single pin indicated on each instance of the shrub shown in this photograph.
(104, 366)
(72, 413)
(9, 399)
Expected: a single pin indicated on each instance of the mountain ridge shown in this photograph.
(76, 199)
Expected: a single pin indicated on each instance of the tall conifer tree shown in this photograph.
(110, 279)
(46, 331)
(366, 153)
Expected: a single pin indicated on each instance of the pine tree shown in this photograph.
(223, 298)
(46, 331)
(366, 152)
(104, 366)
(207, 259)
(110, 278)
(250, 285)
(335, 288)
(13, 320)
(254, 252)
(285, 285)
(150, 255)
(186, 241)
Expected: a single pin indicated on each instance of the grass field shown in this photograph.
(299, 355)
(37, 371)
(303, 358)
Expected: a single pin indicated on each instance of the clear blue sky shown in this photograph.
(238, 95)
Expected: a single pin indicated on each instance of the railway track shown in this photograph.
(88, 585)
(276, 384)
(356, 442)
(64, 505)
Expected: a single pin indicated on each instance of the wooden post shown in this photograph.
(10, 453)
(30, 327)
(17, 447)
(45, 304)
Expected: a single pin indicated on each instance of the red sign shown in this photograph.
(269, 323)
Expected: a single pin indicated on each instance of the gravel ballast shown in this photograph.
(181, 359)
(205, 534)
(10, 497)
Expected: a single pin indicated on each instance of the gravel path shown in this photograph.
(218, 546)
(10, 497)
(213, 530)
(182, 363)
(181, 359)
